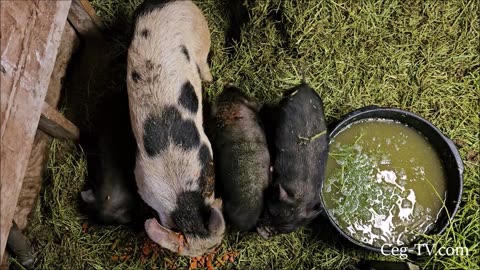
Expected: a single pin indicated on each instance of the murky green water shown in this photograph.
(385, 184)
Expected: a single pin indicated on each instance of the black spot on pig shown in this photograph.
(154, 136)
(204, 155)
(150, 5)
(207, 175)
(188, 99)
(136, 76)
(145, 33)
(185, 52)
(149, 65)
(191, 214)
(170, 125)
(171, 118)
(198, 70)
(184, 133)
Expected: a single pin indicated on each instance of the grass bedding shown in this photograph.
(420, 56)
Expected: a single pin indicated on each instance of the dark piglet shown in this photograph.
(110, 149)
(300, 154)
(242, 158)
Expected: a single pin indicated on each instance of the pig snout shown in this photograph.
(188, 244)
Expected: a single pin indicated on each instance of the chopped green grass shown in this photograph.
(312, 138)
(420, 56)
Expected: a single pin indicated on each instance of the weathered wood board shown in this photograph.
(30, 35)
(55, 124)
(84, 19)
(39, 155)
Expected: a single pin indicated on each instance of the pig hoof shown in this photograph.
(264, 232)
(29, 263)
(205, 73)
(207, 77)
(228, 85)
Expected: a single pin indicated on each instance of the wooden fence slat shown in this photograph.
(55, 124)
(30, 35)
(84, 19)
(93, 15)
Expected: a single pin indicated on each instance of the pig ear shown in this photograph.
(88, 196)
(253, 105)
(164, 237)
(283, 194)
(216, 222)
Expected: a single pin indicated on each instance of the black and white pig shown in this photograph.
(110, 149)
(300, 155)
(242, 157)
(174, 170)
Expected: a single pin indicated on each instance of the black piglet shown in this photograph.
(242, 158)
(300, 148)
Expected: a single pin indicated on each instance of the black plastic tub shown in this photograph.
(444, 147)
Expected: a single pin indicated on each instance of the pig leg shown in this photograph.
(202, 48)
(20, 247)
(204, 70)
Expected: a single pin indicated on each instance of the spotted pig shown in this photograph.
(167, 60)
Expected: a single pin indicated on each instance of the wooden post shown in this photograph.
(31, 33)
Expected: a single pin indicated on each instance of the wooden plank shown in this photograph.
(93, 15)
(33, 179)
(30, 35)
(84, 20)
(55, 124)
(39, 155)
